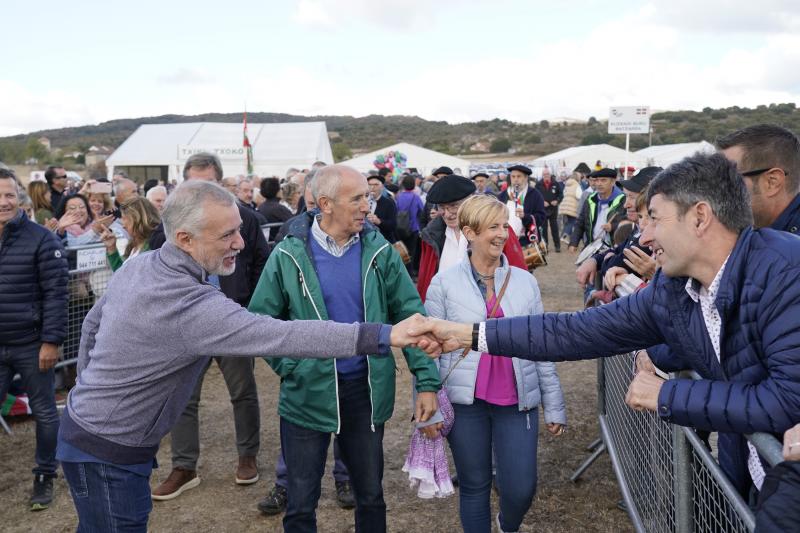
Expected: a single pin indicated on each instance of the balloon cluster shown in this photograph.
(395, 161)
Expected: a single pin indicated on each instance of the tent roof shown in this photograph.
(274, 145)
(423, 159)
(666, 154)
(609, 155)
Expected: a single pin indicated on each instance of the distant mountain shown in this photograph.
(352, 135)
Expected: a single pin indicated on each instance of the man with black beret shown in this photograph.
(528, 202)
(429, 212)
(442, 244)
(602, 211)
(629, 255)
(382, 209)
(482, 183)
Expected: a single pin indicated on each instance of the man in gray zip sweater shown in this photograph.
(144, 344)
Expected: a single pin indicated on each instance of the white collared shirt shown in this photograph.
(713, 323)
(328, 243)
(454, 251)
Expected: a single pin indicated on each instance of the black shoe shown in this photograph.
(275, 502)
(42, 492)
(558, 250)
(344, 495)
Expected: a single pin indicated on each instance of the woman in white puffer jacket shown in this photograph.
(495, 399)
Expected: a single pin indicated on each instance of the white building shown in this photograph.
(423, 159)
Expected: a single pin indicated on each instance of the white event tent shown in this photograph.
(160, 150)
(569, 158)
(666, 154)
(424, 160)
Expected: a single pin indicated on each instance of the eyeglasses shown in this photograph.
(450, 208)
(751, 173)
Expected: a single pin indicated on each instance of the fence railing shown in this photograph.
(89, 274)
(668, 476)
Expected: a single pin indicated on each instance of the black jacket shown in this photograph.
(553, 192)
(33, 284)
(386, 210)
(240, 285)
(532, 207)
(779, 500)
(273, 211)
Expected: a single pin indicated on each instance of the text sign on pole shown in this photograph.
(629, 119)
(223, 152)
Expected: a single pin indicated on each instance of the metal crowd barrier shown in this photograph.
(89, 274)
(669, 479)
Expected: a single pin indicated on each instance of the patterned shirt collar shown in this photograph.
(695, 289)
(327, 242)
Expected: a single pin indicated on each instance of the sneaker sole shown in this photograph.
(247, 481)
(39, 506)
(186, 486)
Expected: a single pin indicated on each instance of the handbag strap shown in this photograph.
(491, 314)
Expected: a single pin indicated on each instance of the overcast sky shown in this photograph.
(76, 63)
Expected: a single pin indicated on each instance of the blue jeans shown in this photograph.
(108, 498)
(305, 451)
(39, 386)
(514, 435)
(340, 474)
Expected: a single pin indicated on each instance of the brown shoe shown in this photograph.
(247, 471)
(178, 481)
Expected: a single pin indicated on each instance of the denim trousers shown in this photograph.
(39, 386)
(514, 436)
(241, 383)
(340, 474)
(305, 451)
(108, 498)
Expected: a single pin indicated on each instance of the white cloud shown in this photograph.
(24, 110)
(186, 76)
(741, 16)
(386, 14)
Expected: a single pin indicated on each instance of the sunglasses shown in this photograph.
(751, 173)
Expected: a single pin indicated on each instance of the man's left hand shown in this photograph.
(643, 392)
(426, 407)
(48, 355)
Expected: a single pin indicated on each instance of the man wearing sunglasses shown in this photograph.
(768, 156)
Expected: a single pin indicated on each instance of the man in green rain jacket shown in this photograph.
(333, 265)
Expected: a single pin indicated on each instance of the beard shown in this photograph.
(216, 266)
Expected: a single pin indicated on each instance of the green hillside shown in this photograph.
(350, 134)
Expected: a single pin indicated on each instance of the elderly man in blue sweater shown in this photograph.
(146, 342)
(725, 302)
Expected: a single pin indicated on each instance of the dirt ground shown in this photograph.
(219, 505)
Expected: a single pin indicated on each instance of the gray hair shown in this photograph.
(325, 182)
(203, 160)
(707, 178)
(157, 188)
(185, 208)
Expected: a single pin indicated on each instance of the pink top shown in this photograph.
(495, 383)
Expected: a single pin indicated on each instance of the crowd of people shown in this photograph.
(676, 263)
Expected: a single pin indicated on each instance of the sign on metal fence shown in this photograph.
(629, 119)
(90, 259)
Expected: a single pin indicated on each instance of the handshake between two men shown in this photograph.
(435, 336)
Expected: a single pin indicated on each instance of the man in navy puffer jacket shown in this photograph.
(33, 314)
(726, 302)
